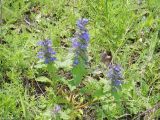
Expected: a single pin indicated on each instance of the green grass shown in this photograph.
(130, 31)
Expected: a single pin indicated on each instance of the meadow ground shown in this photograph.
(119, 80)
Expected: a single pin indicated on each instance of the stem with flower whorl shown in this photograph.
(46, 53)
(115, 75)
(80, 44)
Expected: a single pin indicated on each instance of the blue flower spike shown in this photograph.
(46, 52)
(115, 75)
(80, 41)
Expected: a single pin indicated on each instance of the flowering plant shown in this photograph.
(80, 42)
(46, 52)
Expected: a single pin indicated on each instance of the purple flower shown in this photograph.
(117, 82)
(117, 68)
(46, 52)
(75, 44)
(80, 41)
(45, 43)
(115, 74)
(85, 36)
(84, 46)
(75, 61)
(81, 23)
(56, 109)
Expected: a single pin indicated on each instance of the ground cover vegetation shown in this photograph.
(80, 60)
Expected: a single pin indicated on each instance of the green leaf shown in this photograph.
(43, 79)
(40, 66)
(66, 63)
(51, 68)
(98, 93)
(78, 72)
(64, 115)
